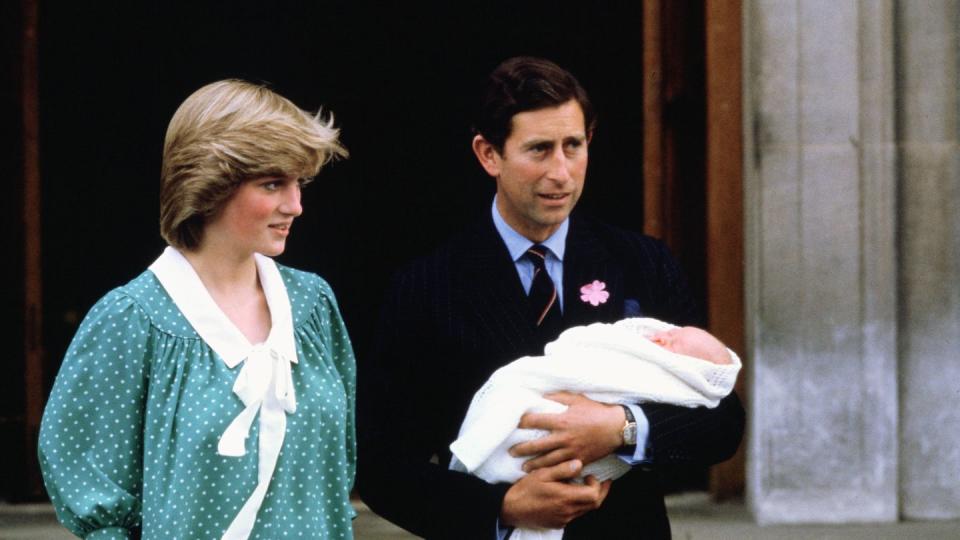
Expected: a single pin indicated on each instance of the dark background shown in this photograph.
(401, 79)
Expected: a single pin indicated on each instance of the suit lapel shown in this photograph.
(495, 295)
(587, 260)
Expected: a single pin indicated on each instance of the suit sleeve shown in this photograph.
(680, 435)
(399, 476)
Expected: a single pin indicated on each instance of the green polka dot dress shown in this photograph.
(130, 434)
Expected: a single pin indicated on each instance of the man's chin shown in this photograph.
(553, 217)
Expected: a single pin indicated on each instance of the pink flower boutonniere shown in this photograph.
(594, 293)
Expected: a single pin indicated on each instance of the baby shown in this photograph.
(630, 361)
(692, 341)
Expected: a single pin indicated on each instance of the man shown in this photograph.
(481, 301)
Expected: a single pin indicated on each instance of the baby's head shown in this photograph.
(692, 341)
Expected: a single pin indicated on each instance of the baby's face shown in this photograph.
(693, 341)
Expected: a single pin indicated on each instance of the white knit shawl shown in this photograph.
(610, 363)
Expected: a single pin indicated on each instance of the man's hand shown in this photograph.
(587, 431)
(545, 498)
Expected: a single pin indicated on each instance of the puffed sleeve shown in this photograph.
(338, 342)
(91, 438)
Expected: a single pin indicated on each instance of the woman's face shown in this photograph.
(257, 218)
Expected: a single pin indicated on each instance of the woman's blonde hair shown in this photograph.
(224, 134)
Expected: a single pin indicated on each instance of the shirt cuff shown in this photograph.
(639, 454)
(109, 533)
(503, 532)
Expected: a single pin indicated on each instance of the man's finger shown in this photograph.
(586, 496)
(605, 489)
(598, 490)
(566, 398)
(535, 447)
(545, 421)
(546, 460)
(561, 471)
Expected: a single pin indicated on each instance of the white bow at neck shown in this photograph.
(265, 382)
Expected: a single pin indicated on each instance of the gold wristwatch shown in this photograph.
(629, 431)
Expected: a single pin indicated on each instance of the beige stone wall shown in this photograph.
(852, 191)
(928, 56)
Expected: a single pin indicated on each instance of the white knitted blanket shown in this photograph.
(610, 363)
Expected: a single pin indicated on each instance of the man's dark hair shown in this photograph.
(526, 83)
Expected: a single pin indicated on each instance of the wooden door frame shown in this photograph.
(723, 182)
(725, 262)
(26, 483)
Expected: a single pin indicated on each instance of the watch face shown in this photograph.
(630, 434)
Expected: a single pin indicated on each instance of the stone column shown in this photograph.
(929, 119)
(820, 194)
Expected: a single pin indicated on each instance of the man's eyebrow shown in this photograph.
(542, 141)
(536, 142)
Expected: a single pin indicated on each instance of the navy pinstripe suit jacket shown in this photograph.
(455, 316)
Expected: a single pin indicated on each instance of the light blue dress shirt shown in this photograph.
(517, 245)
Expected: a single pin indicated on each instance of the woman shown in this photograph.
(213, 395)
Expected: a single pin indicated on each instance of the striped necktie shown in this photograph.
(543, 293)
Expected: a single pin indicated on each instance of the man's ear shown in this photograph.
(487, 155)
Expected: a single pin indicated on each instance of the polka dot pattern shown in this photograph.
(130, 432)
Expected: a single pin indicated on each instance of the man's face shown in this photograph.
(541, 171)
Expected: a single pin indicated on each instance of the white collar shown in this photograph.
(517, 244)
(264, 383)
(182, 283)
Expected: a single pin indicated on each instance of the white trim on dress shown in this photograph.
(265, 382)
